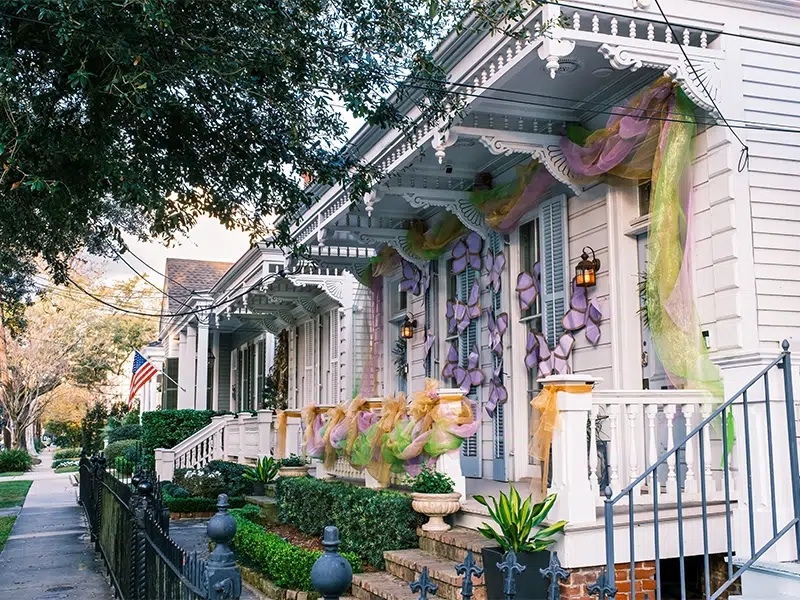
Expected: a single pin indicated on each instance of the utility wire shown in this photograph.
(164, 275)
(744, 158)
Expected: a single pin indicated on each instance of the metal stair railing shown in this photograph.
(606, 585)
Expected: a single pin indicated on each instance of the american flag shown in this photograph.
(143, 370)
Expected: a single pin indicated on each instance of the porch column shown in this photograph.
(201, 376)
(570, 464)
(265, 418)
(185, 373)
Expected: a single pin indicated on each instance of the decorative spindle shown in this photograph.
(536, 126)
(593, 462)
(705, 412)
(703, 40)
(686, 36)
(517, 47)
(469, 569)
(491, 70)
(510, 567)
(668, 34)
(652, 451)
(484, 77)
(505, 122)
(632, 30)
(613, 457)
(554, 572)
(651, 32)
(595, 24)
(424, 585)
(537, 29)
(669, 412)
(520, 124)
(509, 54)
(690, 484)
(633, 459)
(614, 26)
(576, 21)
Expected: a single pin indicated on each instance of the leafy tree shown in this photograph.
(140, 116)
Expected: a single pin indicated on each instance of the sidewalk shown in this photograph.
(48, 555)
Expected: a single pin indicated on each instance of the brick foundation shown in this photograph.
(574, 588)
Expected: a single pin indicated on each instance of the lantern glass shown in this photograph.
(586, 270)
(407, 329)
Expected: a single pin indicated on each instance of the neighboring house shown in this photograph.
(518, 95)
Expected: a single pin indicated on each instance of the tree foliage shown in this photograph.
(139, 116)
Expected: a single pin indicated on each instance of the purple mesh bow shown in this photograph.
(583, 314)
(497, 328)
(495, 263)
(472, 374)
(497, 391)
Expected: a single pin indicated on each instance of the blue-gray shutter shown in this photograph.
(470, 449)
(553, 236)
(499, 418)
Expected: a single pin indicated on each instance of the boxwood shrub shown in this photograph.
(118, 449)
(369, 521)
(286, 565)
(166, 428)
(125, 432)
(67, 453)
(197, 505)
(235, 484)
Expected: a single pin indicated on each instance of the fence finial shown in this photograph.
(554, 572)
(469, 569)
(601, 588)
(424, 585)
(331, 574)
(224, 579)
(510, 567)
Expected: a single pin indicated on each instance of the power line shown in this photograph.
(175, 281)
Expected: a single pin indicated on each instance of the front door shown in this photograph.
(654, 376)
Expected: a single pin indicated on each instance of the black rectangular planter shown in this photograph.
(531, 584)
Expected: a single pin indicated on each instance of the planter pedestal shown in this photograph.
(293, 471)
(435, 507)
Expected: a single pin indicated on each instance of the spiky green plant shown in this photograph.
(519, 522)
(265, 471)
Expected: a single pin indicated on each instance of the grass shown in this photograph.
(6, 523)
(12, 493)
(12, 474)
(73, 469)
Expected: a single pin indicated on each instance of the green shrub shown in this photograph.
(132, 418)
(125, 432)
(369, 521)
(15, 460)
(166, 428)
(67, 453)
(286, 565)
(118, 449)
(197, 505)
(92, 428)
(65, 433)
(201, 483)
(232, 474)
(430, 481)
(65, 462)
(292, 461)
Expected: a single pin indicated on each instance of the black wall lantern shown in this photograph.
(586, 270)
(407, 328)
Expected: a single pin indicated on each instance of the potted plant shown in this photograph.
(433, 495)
(294, 466)
(519, 525)
(265, 472)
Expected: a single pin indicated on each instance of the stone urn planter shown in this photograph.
(293, 471)
(435, 507)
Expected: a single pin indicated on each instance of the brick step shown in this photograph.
(408, 565)
(383, 586)
(454, 544)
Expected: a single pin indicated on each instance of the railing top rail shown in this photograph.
(652, 396)
(197, 437)
(707, 421)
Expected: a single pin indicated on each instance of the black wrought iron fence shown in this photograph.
(129, 527)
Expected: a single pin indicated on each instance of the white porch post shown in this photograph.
(185, 377)
(450, 463)
(201, 375)
(265, 418)
(570, 464)
(242, 418)
(191, 363)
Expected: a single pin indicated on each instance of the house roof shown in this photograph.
(184, 276)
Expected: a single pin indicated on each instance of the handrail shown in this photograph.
(197, 437)
(707, 421)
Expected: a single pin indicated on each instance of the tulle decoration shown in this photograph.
(385, 261)
(280, 433)
(505, 205)
(313, 423)
(640, 142)
(335, 434)
(431, 242)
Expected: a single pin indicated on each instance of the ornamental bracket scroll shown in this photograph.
(396, 238)
(328, 285)
(455, 202)
(544, 148)
(703, 73)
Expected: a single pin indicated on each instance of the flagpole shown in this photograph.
(180, 387)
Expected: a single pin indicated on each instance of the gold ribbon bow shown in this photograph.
(280, 426)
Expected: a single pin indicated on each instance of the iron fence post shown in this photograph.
(510, 567)
(606, 586)
(139, 503)
(469, 569)
(99, 470)
(554, 572)
(224, 578)
(792, 431)
(331, 574)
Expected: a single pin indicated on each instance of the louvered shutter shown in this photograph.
(498, 419)
(235, 392)
(553, 235)
(309, 354)
(335, 384)
(292, 387)
(470, 455)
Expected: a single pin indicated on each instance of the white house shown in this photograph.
(734, 61)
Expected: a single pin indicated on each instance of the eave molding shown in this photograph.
(453, 201)
(395, 238)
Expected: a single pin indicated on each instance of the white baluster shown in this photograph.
(651, 32)
(686, 36)
(500, 62)
(633, 459)
(632, 30)
(536, 126)
(595, 24)
(593, 482)
(690, 484)
(484, 77)
(537, 30)
(509, 54)
(520, 124)
(703, 40)
(491, 70)
(652, 452)
(668, 34)
(614, 26)
(613, 456)
(669, 412)
(518, 47)
(576, 22)
(708, 474)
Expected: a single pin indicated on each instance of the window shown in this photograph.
(398, 303)
(432, 366)
(645, 191)
(261, 349)
(169, 385)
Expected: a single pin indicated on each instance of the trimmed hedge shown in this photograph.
(117, 449)
(197, 505)
(67, 453)
(369, 521)
(235, 484)
(166, 428)
(15, 460)
(125, 432)
(286, 565)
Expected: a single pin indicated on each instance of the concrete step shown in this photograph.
(383, 586)
(408, 565)
(454, 544)
(774, 580)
